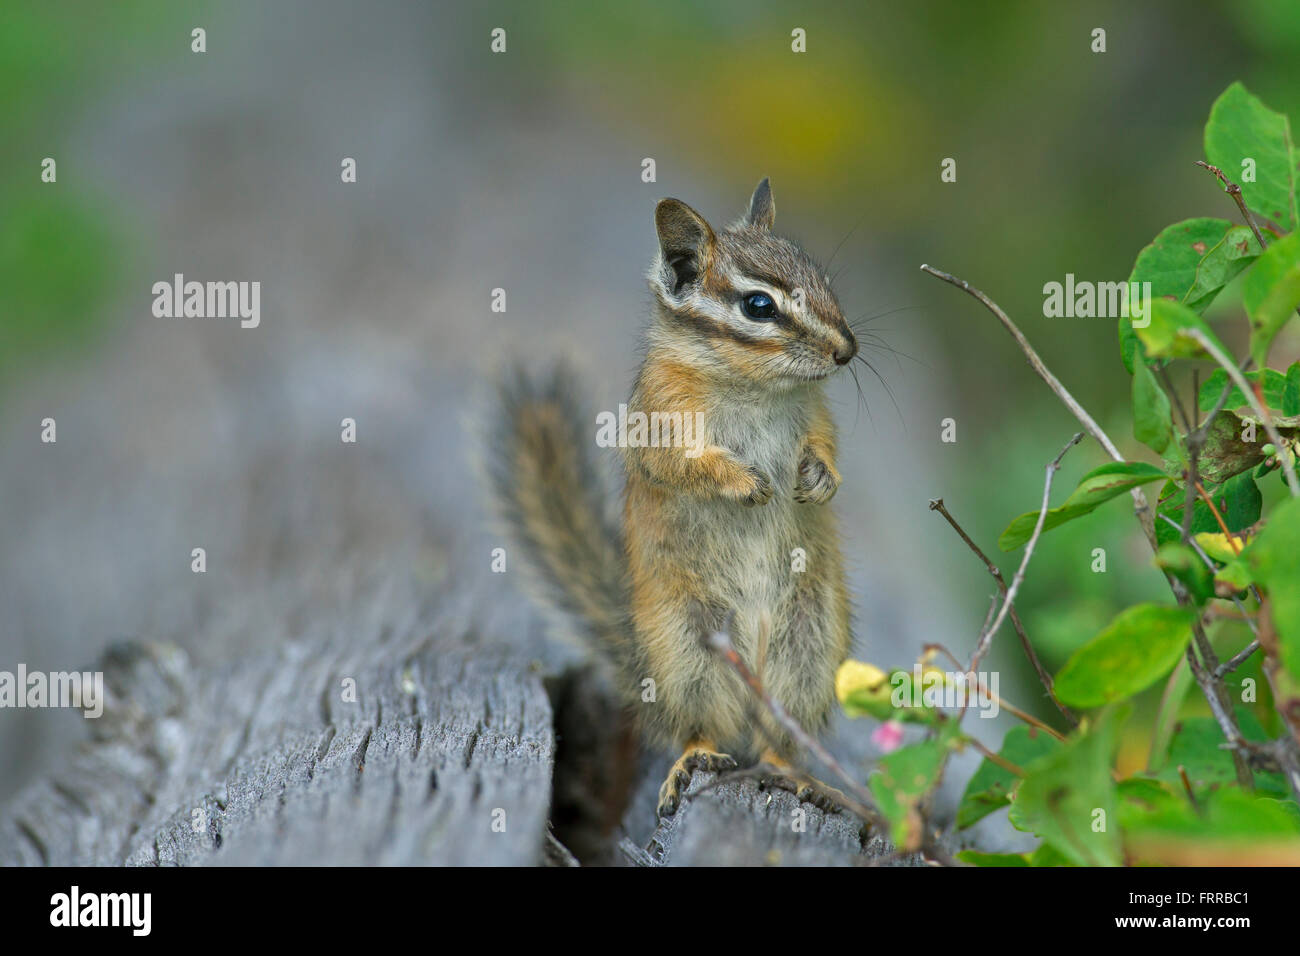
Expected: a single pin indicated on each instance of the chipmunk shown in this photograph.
(732, 532)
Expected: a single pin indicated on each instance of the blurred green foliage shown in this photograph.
(62, 245)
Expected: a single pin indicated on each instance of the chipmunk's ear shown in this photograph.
(762, 207)
(685, 239)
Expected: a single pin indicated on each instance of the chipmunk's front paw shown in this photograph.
(756, 489)
(817, 481)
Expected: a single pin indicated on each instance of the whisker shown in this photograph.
(888, 391)
(880, 315)
(862, 402)
(840, 245)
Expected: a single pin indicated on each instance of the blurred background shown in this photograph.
(522, 171)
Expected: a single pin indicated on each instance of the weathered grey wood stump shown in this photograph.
(437, 754)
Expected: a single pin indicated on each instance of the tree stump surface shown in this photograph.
(445, 755)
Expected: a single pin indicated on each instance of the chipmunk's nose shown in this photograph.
(844, 353)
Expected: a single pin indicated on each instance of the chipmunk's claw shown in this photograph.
(679, 777)
(762, 492)
(805, 789)
(817, 481)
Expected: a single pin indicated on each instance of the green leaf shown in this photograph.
(976, 858)
(1135, 650)
(1291, 393)
(1095, 488)
(1186, 565)
(1069, 798)
(1152, 424)
(1274, 560)
(1233, 826)
(1226, 452)
(1198, 747)
(1171, 703)
(989, 787)
(1172, 263)
(1170, 503)
(1274, 388)
(1271, 293)
(1220, 265)
(904, 778)
(1047, 855)
(1140, 797)
(1233, 578)
(1241, 127)
(1239, 501)
(1166, 333)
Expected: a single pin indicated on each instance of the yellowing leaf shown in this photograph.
(1218, 547)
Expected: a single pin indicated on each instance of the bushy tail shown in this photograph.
(551, 497)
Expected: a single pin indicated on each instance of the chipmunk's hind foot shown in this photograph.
(780, 775)
(699, 754)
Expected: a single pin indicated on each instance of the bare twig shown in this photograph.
(1140, 505)
(1234, 191)
(1215, 695)
(1239, 658)
(1163, 374)
(1187, 786)
(859, 798)
(986, 639)
(1045, 678)
(1006, 705)
(1035, 362)
(1209, 503)
(997, 758)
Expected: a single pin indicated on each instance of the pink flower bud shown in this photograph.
(888, 736)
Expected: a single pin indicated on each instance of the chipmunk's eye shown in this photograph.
(759, 306)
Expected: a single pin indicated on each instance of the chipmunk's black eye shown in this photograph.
(758, 306)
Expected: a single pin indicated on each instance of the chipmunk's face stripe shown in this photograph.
(713, 328)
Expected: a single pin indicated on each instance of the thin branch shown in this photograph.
(1234, 191)
(1034, 361)
(936, 504)
(1240, 658)
(859, 798)
(1209, 503)
(1187, 786)
(1215, 694)
(986, 639)
(1140, 505)
(1163, 374)
(1006, 705)
(997, 758)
